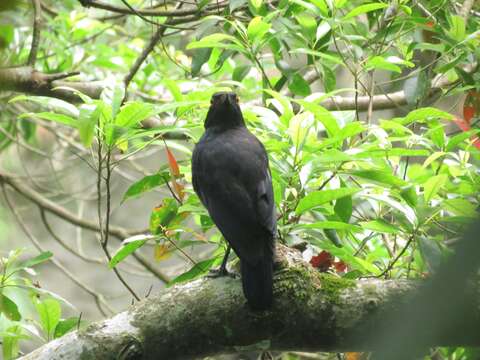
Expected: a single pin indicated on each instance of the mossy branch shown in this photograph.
(312, 312)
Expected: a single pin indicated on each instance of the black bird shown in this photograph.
(231, 176)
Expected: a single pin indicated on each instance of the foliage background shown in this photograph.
(368, 111)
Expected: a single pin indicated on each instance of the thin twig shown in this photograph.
(116, 231)
(103, 232)
(98, 297)
(193, 10)
(62, 243)
(400, 254)
(146, 51)
(37, 18)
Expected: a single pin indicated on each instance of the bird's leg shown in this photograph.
(222, 270)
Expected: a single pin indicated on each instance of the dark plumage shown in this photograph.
(231, 176)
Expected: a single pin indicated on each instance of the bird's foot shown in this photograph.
(220, 272)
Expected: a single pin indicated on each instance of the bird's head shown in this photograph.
(224, 111)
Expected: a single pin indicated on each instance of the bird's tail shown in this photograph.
(257, 282)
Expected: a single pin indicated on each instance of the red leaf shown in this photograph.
(178, 189)
(462, 124)
(172, 162)
(468, 113)
(340, 266)
(471, 105)
(322, 261)
(175, 173)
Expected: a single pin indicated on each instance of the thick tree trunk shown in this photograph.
(312, 312)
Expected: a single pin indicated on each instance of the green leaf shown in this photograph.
(436, 134)
(240, 72)
(431, 252)
(380, 225)
(362, 9)
(133, 113)
(334, 156)
(59, 118)
(299, 86)
(41, 291)
(329, 79)
(44, 256)
(257, 28)
(129, 245)
(113, 133)
(287, 112)
(378, 62)
(349, 130)
(457, 139)
(327, 56)
(199, 57)
(145, 184)
(65, 326)
(395, 152)
(162, 216)
(433, 185)
(9, 308)
(308, 24)
(409, 194)
(86, 124)
(322, 6)
(318, 198)
(460, 207)
(10, 339)
(323, 115)
(117, 98)
(394, 204)
(49, 312)
(379, 176)
(337, 225)
(223, 41)
(174, 88)
(6, 35)
(298, 129)
(425, 114)
(196, 271)
(53, 104)
(175, 105)
(256, 5)
(27, 129)
(433, 157)
(343, 208)
(457, 28)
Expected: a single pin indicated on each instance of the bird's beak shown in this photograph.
(232, 100)
(224, 99)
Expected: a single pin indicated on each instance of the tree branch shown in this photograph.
(154, 12)
(37, 18)
(48, 205)
(29, 81)
(141, 58)
(312, 312)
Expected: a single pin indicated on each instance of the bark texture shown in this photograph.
(312, 312)
(29, 81)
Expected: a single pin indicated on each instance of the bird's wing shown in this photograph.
(232, 179)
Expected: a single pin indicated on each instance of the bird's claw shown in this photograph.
(220, 272)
